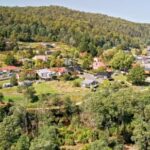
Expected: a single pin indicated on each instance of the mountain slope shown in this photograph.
(84, 30)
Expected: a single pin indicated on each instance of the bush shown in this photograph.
(76, 83)
(66, 77)
(136, 75)
(1, 97)
(13, 80)
(10, 60)
(70, 142)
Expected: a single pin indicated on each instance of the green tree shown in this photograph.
(141, 134)
(10, 132)
(23, 143)
(1, 97)
(122, 61)
(48, 139)
(136, 75)
(100, 144)
(30, 94)
(10, 60)
(86, 63)
(13, 80)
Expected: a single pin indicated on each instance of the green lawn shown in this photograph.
(120, 77)
(52, 87)
(11, 93)
(63, 88)
(4, 81)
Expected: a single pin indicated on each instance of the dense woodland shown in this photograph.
(87, 31)
(108, 119)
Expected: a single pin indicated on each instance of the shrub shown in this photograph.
(66, 77)
(70, 142)
(76, 83)
(13, 80)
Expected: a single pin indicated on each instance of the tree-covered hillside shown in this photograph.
(87, 31)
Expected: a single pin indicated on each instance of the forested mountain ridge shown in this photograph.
(87, 31)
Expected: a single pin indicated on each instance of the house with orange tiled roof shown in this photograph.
(9, 69)
(59, 70)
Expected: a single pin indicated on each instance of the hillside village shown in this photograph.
(38, 68)
(72, 80)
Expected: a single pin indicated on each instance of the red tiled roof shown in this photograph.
(60, 70)
(9, 68)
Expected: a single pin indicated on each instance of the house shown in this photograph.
(143, 61)
(41, 57)
(59, 71)
(75, 69)
(8, 72)
(147, 68)
(9, 69)
(89, 83)
(104, 75)
(27, 75)
(98, 64)
(148, 50)
(45, 74)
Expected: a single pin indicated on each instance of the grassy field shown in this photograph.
(11, 93)
(52, 87)
(63, 88)
(4, 81)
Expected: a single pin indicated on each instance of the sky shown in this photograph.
(133, 10)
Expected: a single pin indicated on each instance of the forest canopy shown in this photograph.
(87, 31)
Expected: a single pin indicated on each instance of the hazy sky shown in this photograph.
(134, 10)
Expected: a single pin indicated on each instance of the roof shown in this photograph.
(59, 70)
(41, 57)
(146, 67)
(9, 68)
(88, 81)
(43, 71)
(108, 74)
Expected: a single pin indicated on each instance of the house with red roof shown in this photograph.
(59, 70)
(9, 69)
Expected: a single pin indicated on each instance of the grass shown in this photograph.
(45, 87)
(120, 77)
(4, 81)
(63, 88)
(66, 89)
(2, 56)
(11, 93)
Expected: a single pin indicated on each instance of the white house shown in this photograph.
(45, 74)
